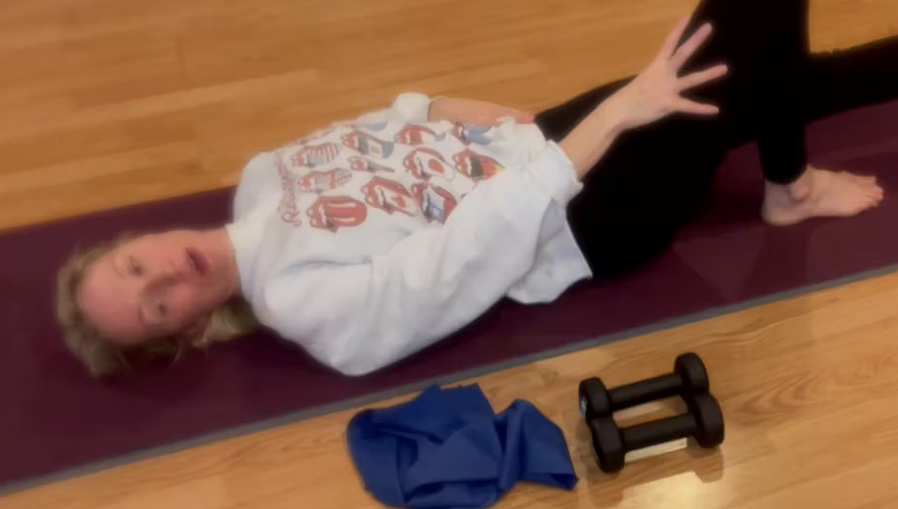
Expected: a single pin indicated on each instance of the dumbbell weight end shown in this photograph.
(607, 444)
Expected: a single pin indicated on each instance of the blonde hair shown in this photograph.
(102, 357)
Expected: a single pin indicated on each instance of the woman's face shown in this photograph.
(158, 285)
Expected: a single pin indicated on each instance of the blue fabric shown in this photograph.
(448, 449)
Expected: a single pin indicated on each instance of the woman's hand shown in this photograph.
(655, 92)
(652, 95)
(469, 111)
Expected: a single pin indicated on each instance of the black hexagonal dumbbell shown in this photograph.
(689, 377)
(610, 444)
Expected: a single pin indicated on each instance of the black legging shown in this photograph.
(654, 179)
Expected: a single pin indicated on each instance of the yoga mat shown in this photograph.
(55, 419)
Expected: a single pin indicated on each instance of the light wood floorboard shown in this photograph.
(112, 102)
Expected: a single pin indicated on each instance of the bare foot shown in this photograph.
(820, 193)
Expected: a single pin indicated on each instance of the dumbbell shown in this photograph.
(610, 444)
(689, 377)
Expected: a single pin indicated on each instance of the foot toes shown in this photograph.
(833, 194)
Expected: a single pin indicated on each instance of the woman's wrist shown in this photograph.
(593, 136)
(613, 113)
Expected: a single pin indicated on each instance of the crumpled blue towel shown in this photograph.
(448, 449)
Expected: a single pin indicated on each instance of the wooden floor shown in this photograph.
(111, 102)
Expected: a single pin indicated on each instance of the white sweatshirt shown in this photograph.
(373, 239)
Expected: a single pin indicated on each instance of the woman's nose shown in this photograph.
(176, 271)
(170, 273)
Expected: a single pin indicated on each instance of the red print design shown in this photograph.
(468, 134)
(422, 163)
(458, 130)
(287, 206)
(320, 181)
(415, 135)
(476, 166)
(436, 202)
(334, 212)
(366, 144)
(316, 155)
(357, 163)
(389, 196)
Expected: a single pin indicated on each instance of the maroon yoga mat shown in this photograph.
(54, 417)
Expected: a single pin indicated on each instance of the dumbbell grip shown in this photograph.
(644, 391)
(658, 432)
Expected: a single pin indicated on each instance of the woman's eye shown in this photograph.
(134, 268)
(161, 309)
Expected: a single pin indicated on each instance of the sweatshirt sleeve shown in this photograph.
(408, 108)
(360, 318)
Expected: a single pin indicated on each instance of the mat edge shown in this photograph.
(318, 411)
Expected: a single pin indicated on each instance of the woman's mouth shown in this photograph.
(198, 262)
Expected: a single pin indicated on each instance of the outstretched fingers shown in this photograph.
(702, 77)
(686, 106)
(688, 48)
(670, 44)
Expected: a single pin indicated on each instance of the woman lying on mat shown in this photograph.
(373, 239)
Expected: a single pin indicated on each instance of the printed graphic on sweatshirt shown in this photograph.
(389, 196)
(287, 206)
(334, 212)
(316, 155)
(435, 202)
(468, 134)
(476, 166)
(416, 135)
(367, 144)
(321, 181)
(357, 163)
(422, 163)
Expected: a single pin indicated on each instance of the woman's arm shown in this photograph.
(418, 108)
(472, 111)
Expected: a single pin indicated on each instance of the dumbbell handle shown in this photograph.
(658, 432)
(644, 391)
